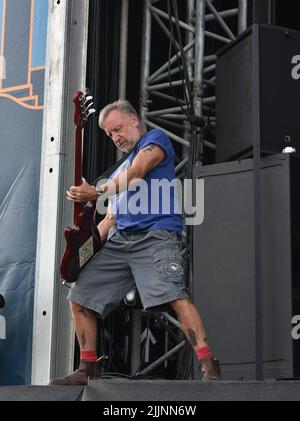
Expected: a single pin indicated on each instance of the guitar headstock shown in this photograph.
(83, 108)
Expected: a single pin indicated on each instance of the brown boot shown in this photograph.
(210, 368)
(77, 378)
(80, 377)
(92, 370)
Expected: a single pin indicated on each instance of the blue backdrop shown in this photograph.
(23, 28)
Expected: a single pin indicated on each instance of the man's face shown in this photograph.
(124, 130)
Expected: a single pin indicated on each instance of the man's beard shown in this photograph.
(127, 146)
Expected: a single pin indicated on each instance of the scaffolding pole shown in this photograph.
(123, 57)
(200, 63)
(201, 21)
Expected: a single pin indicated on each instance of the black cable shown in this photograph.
(197, 124)
(183, 365)
(173, 42)
(183, 59)
(190, 113)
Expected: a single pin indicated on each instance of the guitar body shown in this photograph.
(83, 241)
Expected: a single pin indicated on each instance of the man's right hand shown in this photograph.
(83, 193)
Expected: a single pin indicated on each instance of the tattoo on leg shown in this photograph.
(192, 337)
(83, 340)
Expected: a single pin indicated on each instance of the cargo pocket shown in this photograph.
(168, 263)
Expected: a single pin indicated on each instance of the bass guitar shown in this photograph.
(83, 239)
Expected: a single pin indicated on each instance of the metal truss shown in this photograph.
(168, 83)
(184, 82)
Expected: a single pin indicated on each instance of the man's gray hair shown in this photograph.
(121, 105)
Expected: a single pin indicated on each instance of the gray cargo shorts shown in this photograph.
(150, 260)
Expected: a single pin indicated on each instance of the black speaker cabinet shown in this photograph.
(258, 91)
(223, 265)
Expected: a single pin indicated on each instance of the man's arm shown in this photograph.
(106, 223)
(147, 159)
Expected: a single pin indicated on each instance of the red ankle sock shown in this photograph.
(90, 356)
(204, 352)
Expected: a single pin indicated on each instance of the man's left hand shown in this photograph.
(82, 193)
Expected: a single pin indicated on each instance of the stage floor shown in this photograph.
(109, 390)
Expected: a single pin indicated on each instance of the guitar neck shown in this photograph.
(78, 207)
(83, 110)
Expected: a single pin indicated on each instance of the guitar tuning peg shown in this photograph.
(88, 98)
(91, 111)
(89, 105)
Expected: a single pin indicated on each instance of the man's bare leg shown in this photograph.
(192, 326)
(191, 322)
(85, 323)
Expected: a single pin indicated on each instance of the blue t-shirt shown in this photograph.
(152, 203)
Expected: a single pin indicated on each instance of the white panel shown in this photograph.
(53, 335)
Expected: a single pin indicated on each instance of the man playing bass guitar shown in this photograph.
(142, 247)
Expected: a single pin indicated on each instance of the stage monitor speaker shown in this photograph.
(274, 83)
(224, 266)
